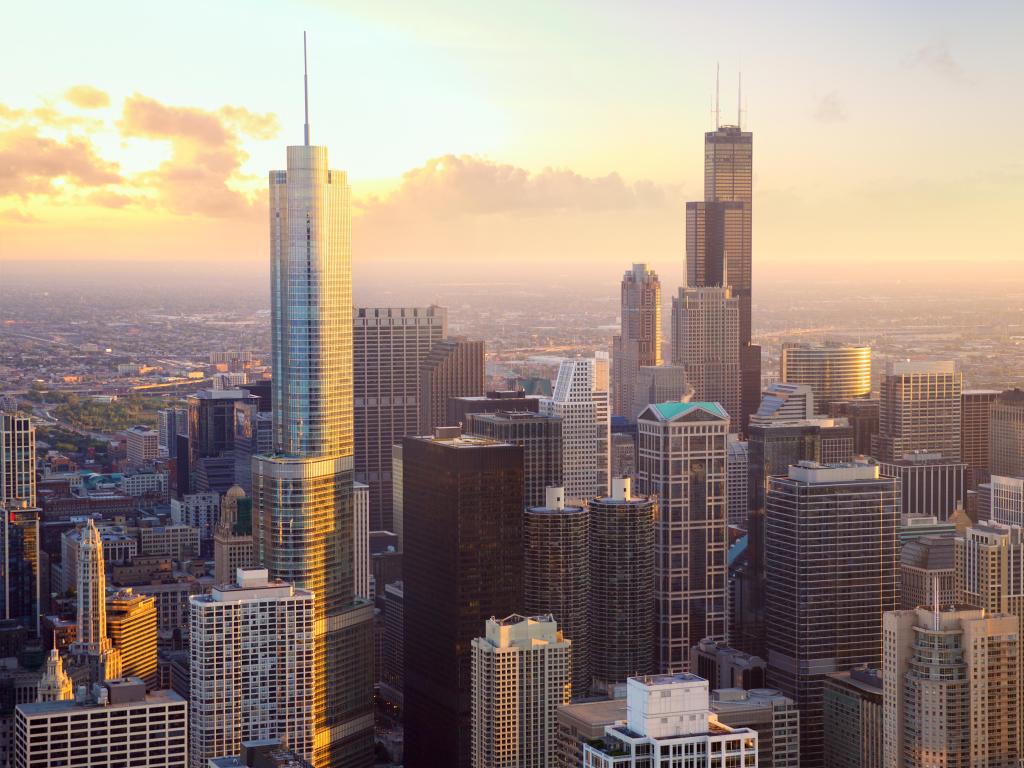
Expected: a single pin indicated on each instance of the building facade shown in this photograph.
(639, 340)
(853, 718)
(833, 370)
(131, 624)
(17, 460)
(931, 484)
(452, 368)
(539, 436)
(1006, 434)
(975, 412)
(919, 410)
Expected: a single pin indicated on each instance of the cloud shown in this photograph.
(18, 217)
(937, 59)
(829, 108)
(87, 97)
(31, 163)
(206, 153)
(460, 185)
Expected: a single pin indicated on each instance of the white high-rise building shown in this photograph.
(682, 461)
(737, 470)
(142, 444)
(580, 398)
(782, 402)
(669, 723)
(1002, 500)
(92, 647)
(251, 662)
(521, 676)
(200, 510)
(361, 539)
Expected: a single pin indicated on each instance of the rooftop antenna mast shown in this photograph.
(305, 86)
(717, 111)
(739, 102)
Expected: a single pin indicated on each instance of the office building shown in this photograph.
(930, 483)
(774, 717)
(687, 441)
(117, 724)
(93, 648)
(492, 401)
(556, 568)
(1006, 434)
(119, 546)
(853, 718)
(581, 400)
(302, 494)
(927, 564)
(951, 688)
(975, 412)
(22, 588)
(917, 526)
(539, 436)
(833, 370)
(172, 422)
(667, 717)
(54, 685)
(706, 343)
(131, 624)
(638, 342)
(622, 601)
(989, 564)
(17, 460)
(398, 500)
(1001, 500)
(211, 437)
(142, 444)
(252, 666)
(393, 661)
(659, 384)
(389, 346)
(233, 546)
(725, 667)
(452, 368)
(520, 671)
(199, 510)
(254, 436)
(463, 558)
(919, 410)
(581, 723)
(361, 540)
(830, 561)
(782, 402)
(862, 416)
(737, 477)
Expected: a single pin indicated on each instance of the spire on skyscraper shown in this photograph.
(55, 685)
(92, 646)
(305, 88)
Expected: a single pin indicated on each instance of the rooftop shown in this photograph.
(670, 411)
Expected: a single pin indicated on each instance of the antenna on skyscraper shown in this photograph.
(739, 101)
(717, 112)
(305, 85)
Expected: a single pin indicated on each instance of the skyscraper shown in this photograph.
(556, 567)
(989, 558)
(520, 678)
(706, 343)
(782, 402)
(833, 370)
(927, 572)
(929, 483)
(462, 564)
(830, 558)
(975, 407)
(211, 437)
(919, 409)
(232, 540)
(92, 647)
(252, 666)
(622, 617)
(682, 461)
(131, 623)
(302, 494)
(659, 384)
(54, 685)
(639, 340)
(580, 398)
(22, 592)
(1001, 500)
(539, 436)
(738, 476)
(452, 368)
(718, 242)
(389, 346)
(1006, 434)
(17, 460)
(951, 688)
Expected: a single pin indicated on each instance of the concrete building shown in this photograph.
(622, 617)
(200, 510)
(539, 436)
(1001, 500)
(17, 460)
(782, 402)
(92, 649)
(252, 666)
(687, 441)
(916, 526)
(143, 482)
(830, 560)
(989, 565)
(233, 545)
(556, 569)
(706, 343)
(583, 722)
(452, 368)
(389, 346)
(862, 416)
(492, 401)
(773, 716)
(638, 342)
(975, 413)
(463, 558)
(1006, 434)
(737, 478)
(118, 724)
(521, 675)
(725, 667)
(667, 717)
(142, 444)
(853, 719)
(930, 484)
(927, 563)
(361, 577)
(919, 410)
(833, 370)
(177, 541)
(131, 624)
(580, 398)
(951, 688)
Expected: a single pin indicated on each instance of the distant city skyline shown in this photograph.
(863, 124)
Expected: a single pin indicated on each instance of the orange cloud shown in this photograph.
(30, 163)
(87, 97)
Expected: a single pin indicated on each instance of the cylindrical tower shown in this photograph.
(621, 585)
(556, 575)
(832, 370)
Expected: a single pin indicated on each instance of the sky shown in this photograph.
(487, 140)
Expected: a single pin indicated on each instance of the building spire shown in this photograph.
(305, 87)
(717, 111)
(739, 101)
